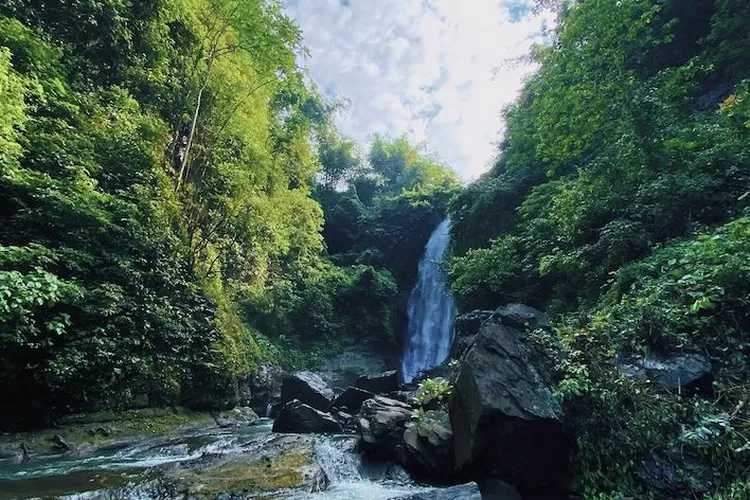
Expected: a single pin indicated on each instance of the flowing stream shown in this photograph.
(432, 310)
(134, 470)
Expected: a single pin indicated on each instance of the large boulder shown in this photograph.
(506, 421)
(684, 373)
(236, 417)
(309, 388)
(351, 399)
(265, 464)
(495, 489)
(379, 383)
(469, 491)
(382, 422)
(660, 475)
(300, 418)
(429, 442)
(465, 329)
(522, 317)
(262, 390)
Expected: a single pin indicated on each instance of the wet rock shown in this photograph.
(236, 417)
(469, 491)
(307, 387)
(347, 421)
(506, 421)
(18, 455)
(351, 399)
(429, 442)
(100, 431)
(60, 443)
(300, 418)
(684, 373)
(465, 329)
(522, 317)
(494, 489)
(672, 475)
(403, 396)
(265, 464)
(263, 389)
(382, 422)
(379, 383)
(660, 474)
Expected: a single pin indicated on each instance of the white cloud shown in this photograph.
(431, 69)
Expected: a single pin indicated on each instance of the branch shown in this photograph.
(241, 101)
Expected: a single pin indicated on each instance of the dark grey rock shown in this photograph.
(60, 443)
(382, 422)
(347, 420)
(100, 431)
(660, 474)
(685, 373)
(297, 417)
(506, 421)
(379, 383)
(307, 387)
(403, 396)
(522, 317)
(351, 399)
(429, 442)
(495, 489)
(18, 455)
(469, 491)
(262, 390)
(465, 329)
(236, 417)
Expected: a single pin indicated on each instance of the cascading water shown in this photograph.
(432, 310)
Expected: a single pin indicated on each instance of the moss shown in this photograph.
(264, 474)
(269, 464)
(103, 428)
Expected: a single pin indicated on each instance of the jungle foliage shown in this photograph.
(158, 161)
(619, 203)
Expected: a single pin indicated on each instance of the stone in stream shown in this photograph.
(469, 491)
(262, 390)
(347, 421)
(506, 421)
(236, 417)
(300, 418)
(382, 422)
(684, 373)
(265, 464)
(60, 443)
(307, 387)
(429, 442)
(379, 383)
(351, 399)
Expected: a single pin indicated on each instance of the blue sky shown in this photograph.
(435, 70)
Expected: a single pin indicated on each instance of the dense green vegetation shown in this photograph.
(619, 203)
(160, 166)
(177, 208)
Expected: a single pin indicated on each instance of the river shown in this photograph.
(134, 470)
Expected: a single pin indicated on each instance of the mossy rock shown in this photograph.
(87, 431)
(266, 464)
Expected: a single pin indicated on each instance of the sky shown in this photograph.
(434, 70)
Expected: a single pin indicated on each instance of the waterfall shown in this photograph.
(339, 458)
(432, 310)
